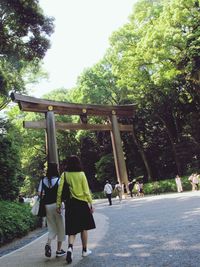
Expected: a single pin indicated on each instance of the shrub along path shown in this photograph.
(154, 231)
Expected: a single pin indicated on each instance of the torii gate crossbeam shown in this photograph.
(50, 108)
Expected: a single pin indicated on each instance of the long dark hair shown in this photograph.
(74, 164)
(52, 171)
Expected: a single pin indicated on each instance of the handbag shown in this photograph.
(39, 208)
(65, 191)
(42, 208)
(35, 207)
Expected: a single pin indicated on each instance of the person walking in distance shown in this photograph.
(108, 191)
(190, 179)
(78, 214)
(141, 188)
(55, 222)
(178, 184)
(131, 186)
(118, 190)
(196, 181)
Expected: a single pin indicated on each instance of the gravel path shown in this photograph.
(156, 231)
(150, 232)
(20, 242)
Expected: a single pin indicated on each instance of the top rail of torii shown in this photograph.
(27, 103)
(49, 108)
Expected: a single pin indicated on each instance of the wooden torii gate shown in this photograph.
(50, 108)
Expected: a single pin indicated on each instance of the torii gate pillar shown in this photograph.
(51, 143)
(120, 164)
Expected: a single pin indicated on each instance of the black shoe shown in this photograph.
(47, 251)
(60, 253)
(69, 255)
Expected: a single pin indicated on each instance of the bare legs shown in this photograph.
(59, 245)
(71, 239)
(84, 239)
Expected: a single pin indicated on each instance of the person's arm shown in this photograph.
(104, 190)
(59, 193)
(87, 193)
(86, 189)
(111, 189)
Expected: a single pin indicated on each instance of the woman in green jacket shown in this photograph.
(78, 213)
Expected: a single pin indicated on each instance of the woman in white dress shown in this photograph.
(178, 184)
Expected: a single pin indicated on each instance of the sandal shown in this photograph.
(47, 251)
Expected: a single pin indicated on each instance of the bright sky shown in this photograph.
(81, 37)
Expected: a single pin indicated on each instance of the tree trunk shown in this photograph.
(142, 153)
(178, 165)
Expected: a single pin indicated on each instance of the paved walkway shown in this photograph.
(156, 231)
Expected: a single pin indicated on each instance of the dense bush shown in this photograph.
(10, 175)
(166, 186)
(106, 169)
(16, 220)
(98, 195)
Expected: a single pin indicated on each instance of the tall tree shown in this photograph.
(10, 175)
(24, 32)
(154, 56)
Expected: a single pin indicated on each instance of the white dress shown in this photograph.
(179, 184)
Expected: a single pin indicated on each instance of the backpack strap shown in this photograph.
(41, 192)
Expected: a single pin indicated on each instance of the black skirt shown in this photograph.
(78, 217)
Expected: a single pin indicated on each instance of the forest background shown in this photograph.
(153, 61)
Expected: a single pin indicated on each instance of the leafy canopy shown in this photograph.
(24, 32)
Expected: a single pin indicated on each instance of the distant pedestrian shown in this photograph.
(196, 181)
(55, 222)
(137, 188)
(78, 214)
(190, 179)
(131, 186)
(178, 184)
(141, 188)
(118, 190)
(108, 191)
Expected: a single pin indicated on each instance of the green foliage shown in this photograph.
(31, 149)
(155, 188)
(106, 169)
(24, 35)
(153, 61)
(10, 175)
(20, 19)
(89, 153)
(98, 85)
(166, 186)
(155, 58)
(98, 195)
(16, 220)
